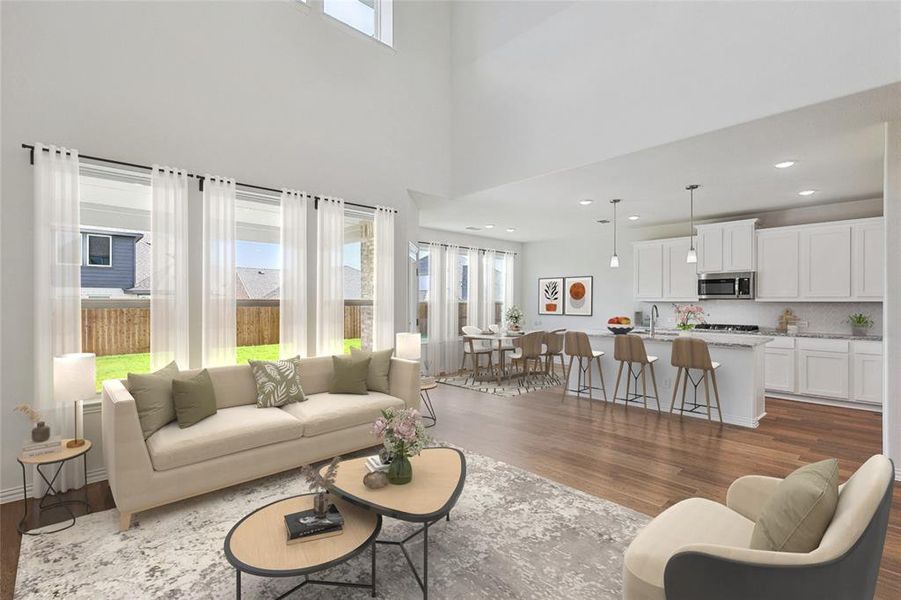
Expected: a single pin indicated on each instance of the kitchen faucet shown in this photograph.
(655, 314)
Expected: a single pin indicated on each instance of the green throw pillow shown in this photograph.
(377, 379)
(278, 381)
(153, 397)
(798, 513)
(350, 374)
(194, 399)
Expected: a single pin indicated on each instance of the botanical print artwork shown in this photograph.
(578, 299)
(550, 296)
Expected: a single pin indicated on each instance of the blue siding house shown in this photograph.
(108, 259)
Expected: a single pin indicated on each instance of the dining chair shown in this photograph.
(494, 328)
(475, 349)
(578, 346)
(528, 353)
(551, 349)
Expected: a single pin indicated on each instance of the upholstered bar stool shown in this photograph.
(692, 353)
(579, 347)
(629, 350)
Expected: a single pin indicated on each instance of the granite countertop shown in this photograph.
(719, 340)
(815, 334)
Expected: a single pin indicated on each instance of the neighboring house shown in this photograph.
(108, 261)
(257, 284)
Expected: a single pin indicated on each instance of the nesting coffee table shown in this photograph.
(256, 544)
(438, 478)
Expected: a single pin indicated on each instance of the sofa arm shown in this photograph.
(125, 454)
(748, 494)
(403, 381)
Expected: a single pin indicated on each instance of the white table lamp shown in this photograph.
(73, 381)
(408, 345)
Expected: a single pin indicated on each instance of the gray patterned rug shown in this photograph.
(512, 534)
(507, 388)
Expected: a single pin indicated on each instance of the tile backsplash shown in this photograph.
(823, 317)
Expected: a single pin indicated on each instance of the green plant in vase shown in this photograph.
(687, 315)
(860, 323)
(514, 317)
(403, 435)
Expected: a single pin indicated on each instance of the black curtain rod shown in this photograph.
(469, 247)
(200, 178)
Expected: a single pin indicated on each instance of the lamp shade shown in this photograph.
(408, 345)
(73, 377)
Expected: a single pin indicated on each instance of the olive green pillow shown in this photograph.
(377, 379)
(349, 374)
(153, 397)
(798, 513)
(194, 399)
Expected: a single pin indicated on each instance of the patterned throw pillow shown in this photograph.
(278, 382)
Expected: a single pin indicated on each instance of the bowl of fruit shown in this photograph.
(620, 325)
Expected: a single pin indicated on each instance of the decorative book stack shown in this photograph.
(305, 525)
(33, 449)
(374, 463)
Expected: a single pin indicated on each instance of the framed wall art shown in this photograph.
(550, 296)
(578, 296)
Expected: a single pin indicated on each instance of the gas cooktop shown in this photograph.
(727, 327)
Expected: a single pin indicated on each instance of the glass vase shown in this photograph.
(400, 471)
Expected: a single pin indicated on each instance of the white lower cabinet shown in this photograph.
(823, 374)
(866, 372)
(780, 370)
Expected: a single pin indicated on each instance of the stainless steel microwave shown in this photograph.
(726, 286)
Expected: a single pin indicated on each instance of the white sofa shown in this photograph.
(240, 442)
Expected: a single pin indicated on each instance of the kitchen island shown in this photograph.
(740, 376)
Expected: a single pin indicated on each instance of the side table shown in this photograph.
(426, 384)
(58, 458)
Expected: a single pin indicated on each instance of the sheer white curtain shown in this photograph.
(169, 268)
(219, 312)
(383, 301)
(473, 300)
(443, 337)
(330, 278)
(488, 288)
(509, 282)
(57, 291)
(293, 302)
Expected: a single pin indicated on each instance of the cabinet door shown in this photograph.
(780, 370)
(710, 249)
(823, 374)
(825, 262)
(648, 271)
(867, 260)
(738, 246)
(680, 278)
(867, 376)
(777, 264)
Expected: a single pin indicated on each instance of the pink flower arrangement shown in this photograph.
(401, 431)
(686, 314)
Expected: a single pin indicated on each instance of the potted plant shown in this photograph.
(687, 315)
(403, 435)
(860, 324)
(40, 432)
(514, 318)
(319, 484)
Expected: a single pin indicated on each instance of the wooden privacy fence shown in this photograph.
(126, 330)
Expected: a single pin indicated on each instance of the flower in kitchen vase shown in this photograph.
(688, 315)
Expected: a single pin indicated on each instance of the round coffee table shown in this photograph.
(257, 545)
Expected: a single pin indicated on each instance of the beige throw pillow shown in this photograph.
(194, 399)
(377, 379)
(798, 513)
(153, 397)
(349, 374)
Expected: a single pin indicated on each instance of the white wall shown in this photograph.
(271, 93)
(891, 414)
(545, 86)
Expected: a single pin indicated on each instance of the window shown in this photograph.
(372, 17)
(359, 269)
(98, 251)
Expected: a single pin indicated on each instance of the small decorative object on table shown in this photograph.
(860, 324)
(319, 483)
(619, 325)
(403, 435)
(687, 315)
(375, 480)
(40, 433)
(786, 319)
(514, 318)
(308, 525)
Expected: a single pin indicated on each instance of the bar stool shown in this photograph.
(629, 349)
(692, 353)
(551, 349)
(578, 346)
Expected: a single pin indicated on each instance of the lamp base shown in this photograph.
(74, 443)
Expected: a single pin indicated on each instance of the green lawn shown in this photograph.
(118, 366)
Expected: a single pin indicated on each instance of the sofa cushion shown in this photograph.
(315, 374)
(234, 385)
(153, 397)
(229, 431)
(278, 381)
(377, 379)
(681, 524)
(324, 413)
(194, 399)
(799, 511)
(349, 374)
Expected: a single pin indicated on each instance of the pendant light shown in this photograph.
(692, 256)
(614, 260)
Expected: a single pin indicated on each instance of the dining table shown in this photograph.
(500, 338)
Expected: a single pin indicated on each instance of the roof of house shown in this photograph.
(257, 284)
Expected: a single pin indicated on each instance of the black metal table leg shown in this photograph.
(52, 492)
(431, 418)
(373, 569)
(425, 562)
(238, 584)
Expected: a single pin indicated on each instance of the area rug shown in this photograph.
(507, 387)
(513, 534)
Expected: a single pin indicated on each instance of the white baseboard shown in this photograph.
(15, 493)
(824, 401)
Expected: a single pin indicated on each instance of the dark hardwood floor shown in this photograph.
(638, 459)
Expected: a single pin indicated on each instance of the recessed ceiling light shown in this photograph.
(510, 229)
(633, 217)
(585, 202)
(603, 221)
(471, 228)
(784, 164)
(807, 192)
(489, 226)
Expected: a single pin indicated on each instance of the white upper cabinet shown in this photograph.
(825, 262)
(777, 264)
(868, 240)
(680, 278)
(648, 270)
(727, 247)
